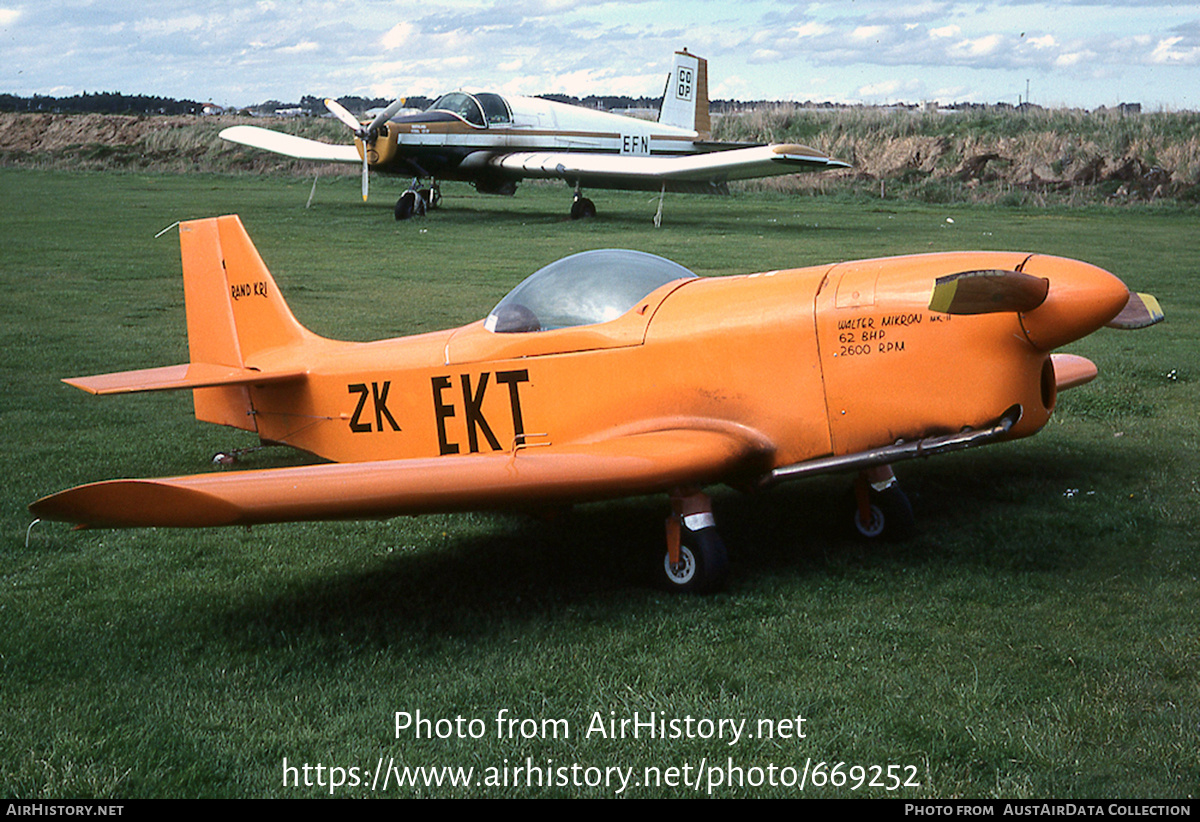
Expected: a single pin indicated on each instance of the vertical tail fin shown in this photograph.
(235, 316)
(685, 100)
(234, 312)
(234, 309)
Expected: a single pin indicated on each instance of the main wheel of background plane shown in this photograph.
(411, 204)
(582, 208)
(404, 206)
(891, 518)
(703, 565)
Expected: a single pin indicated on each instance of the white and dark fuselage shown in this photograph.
(479, 137)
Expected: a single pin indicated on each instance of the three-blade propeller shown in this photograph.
(367, 133)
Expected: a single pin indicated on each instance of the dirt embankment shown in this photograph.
(1036, 162)
(49, 133)
(150, 143)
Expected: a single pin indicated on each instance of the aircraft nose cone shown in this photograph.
(1081, 299)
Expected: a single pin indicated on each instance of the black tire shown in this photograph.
(703, 563)
(405, 205)
(582, 209)
(892, 516)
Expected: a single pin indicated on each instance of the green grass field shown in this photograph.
(1039, 638)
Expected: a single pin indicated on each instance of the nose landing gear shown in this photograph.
(881, 509)
(696, 560)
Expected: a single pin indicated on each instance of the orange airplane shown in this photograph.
(616, 373)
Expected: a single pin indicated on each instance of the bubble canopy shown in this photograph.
(583, 289)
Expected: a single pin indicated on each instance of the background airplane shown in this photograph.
(495, 141)
(616, 373)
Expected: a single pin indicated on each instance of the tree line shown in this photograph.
(104, 102)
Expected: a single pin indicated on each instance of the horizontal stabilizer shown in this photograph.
(1071, 370)
(290, 145)
(529, 478)
(174, 377)
(1141, 311)
(987, 292)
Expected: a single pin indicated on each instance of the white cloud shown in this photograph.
(1166, 53)
(868, 33)
(170, 26)
(398, 36)
(9, 16)
(945, 31)
(978, 47)
(1070, 59)
(765, 56)
(911, 11)
(810, 29)
(881, 89)
(891, 89)
(300, 48)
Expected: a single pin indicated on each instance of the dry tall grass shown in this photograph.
(988, 152)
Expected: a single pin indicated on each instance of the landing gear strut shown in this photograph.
(417, 200)
(696, 560)
(881, 509)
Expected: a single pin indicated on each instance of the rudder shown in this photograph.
(234, 312)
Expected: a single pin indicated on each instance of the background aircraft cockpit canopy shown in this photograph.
(583, 289)
(482, 109)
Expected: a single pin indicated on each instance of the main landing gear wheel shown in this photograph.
(582, 208)
(408, 204)
(891, 515)
(703, 565)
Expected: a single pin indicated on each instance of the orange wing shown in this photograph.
(531, 477)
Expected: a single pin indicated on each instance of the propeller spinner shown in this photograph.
(366, 133)
(1068, 301)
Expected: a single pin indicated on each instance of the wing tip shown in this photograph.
(135, 504)
(795, 152)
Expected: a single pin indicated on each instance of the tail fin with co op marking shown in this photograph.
(685, 99)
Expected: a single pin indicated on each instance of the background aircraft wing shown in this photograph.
(532, 477)
(290, 145)
(687, 172)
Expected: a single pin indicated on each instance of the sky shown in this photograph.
(1075, 53)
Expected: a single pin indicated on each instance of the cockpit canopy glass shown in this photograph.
(583, 289)
(478, 109)
(495, 108)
